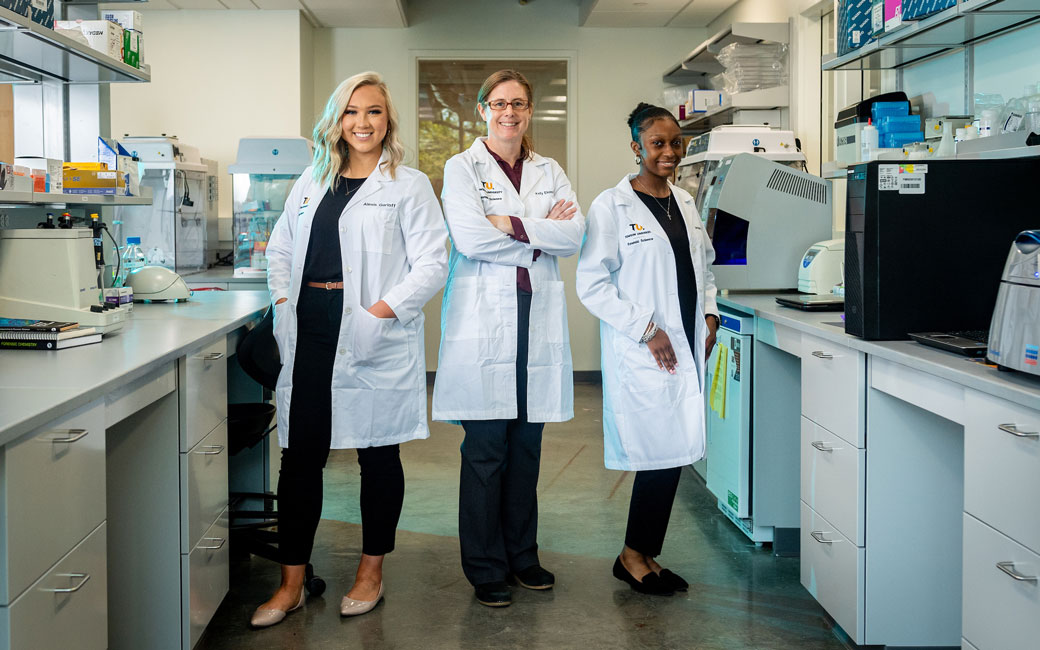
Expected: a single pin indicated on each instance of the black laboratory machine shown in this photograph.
(925, 243)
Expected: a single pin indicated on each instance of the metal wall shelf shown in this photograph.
(31, 199)
(31, 52)
(701, 63)
(763, 99)
(951, 29)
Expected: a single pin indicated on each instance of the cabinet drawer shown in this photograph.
(999, 611)
(834, 388)
(1001, 469)
(205, 580)
(74, 617)
(204, 472)
(202, 379)
(832, 570)
(53, 493)
(833, 479)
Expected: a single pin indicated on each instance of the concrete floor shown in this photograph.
(740, 596)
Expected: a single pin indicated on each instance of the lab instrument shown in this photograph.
(261, 179)
(821, 267)
(1014, 334)
(761, 216)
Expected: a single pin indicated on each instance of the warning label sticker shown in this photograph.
(888, 178)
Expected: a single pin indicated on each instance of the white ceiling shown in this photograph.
(393, 13)
(323, 13)
(651, 13)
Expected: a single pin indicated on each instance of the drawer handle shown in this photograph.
(209, 356)
(820, 354)
(1009, 568)
(219, 450)
(1013, 430)
(219, 546)
(818, 536)
(71, 435)
(822, 447)
(68, 590)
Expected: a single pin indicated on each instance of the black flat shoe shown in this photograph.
(493, 594)
(673, 580)
(535, 577)
(652, 583)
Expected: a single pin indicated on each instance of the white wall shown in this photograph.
(614, 69)
(217, 76)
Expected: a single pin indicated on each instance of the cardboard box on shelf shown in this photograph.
(705, 100)
(104, 36)
(88, 181)
(42, 12)
(109, 151)
(51, 167)
(132, 48)
(128, 166)
(15, 178)
(854, 25)
(125, 19)
(917, 9)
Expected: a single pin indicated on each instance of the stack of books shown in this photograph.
(18, 334)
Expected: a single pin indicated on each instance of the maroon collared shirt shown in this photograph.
(513, 173)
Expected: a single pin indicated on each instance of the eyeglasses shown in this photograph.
(500, 104)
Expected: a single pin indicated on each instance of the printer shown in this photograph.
(1014, 333)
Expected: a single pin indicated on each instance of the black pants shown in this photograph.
(498, 502)
(653, 493)
(310, 434)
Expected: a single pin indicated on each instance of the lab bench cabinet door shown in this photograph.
(204, 474)
(1001, 608)
(205, 576)
(67, 607)
(834, 380)
(834, 479)
(1002, 466)
(832, 570)
(202, 382)
(54, 493)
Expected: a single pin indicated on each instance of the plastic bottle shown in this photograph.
(986, 122)
(946, 145)
(870, 141)
(133, 257)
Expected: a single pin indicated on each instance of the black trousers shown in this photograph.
(310, 434)
(653, 493)
(498, 502)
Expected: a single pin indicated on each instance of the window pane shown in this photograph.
(448, 119)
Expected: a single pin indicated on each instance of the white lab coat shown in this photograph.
(626, 278)
(476, 368)
(392, 238)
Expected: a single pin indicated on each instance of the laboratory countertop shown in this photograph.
(1015, 387)
(220, 274)
(37, 386)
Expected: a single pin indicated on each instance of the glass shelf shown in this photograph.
(31, 52)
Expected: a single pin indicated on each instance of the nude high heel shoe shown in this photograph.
(269, 617)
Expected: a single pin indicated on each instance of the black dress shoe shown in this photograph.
(494, 594)
(535, 577)
(673, 580)
(652, 583)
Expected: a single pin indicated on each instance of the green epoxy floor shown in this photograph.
(740, 596)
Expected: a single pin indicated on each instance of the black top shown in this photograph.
(324, 262)
(675, 228)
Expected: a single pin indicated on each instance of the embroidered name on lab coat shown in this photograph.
(366, 204)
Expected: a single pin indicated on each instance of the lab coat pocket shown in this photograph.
(377, 231)
(468, 303)
(380, 343)
(639, 371)
(549, 309)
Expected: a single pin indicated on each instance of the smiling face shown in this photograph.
(509, 124)
(365, 120)
(660, 147)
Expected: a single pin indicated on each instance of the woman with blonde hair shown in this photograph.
(352, 260)
(505, 359)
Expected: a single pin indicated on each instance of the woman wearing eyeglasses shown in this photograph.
(504, 368)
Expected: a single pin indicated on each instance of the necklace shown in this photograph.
(667, 207)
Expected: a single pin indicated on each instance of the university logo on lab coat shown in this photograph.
(488, 185)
